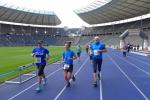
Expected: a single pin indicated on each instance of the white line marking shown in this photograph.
(29, 72)
(59, 94)
(32, 85)
(101, 88)
(138, 53)
(134, 66)
(140, 61)
(2, 84)
(129, 79)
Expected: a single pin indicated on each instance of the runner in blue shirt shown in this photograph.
(42, 55)
(68, 56)
(78, 52)
(97, 48)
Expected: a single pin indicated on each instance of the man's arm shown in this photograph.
(103, 50)
(48, 54)
(33, 53)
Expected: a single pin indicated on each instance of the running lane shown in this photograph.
(27, 91)
(83, 89)
(115, 85)
(139, 72)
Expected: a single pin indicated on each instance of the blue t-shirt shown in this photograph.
(40, 54)
(78, 49)
(94, 48)
(66, 55)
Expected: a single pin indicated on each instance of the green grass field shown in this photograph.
(13, 57)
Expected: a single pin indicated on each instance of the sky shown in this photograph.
(62, 8)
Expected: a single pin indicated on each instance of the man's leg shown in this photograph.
(90, 58)
(43, 75)
(99, 68)
(94, 72)
(39, 78)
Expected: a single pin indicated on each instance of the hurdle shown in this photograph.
(23, 77)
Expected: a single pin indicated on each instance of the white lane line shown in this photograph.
(138, 53)
(134, 65)
(101, 88)
(2, 84)
(13, 97)
(129, 79)
(144, 62)
(63, 89)
(141, 60)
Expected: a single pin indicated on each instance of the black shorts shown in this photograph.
(97, 63)
(124, 53)
(78, 54)
(40, 69)
(90, 57)
(70, 69)
(87, 50)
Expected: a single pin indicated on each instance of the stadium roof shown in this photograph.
(15, 14)
(94, 5)
(94, 12)
(115, 10)
(41, 12)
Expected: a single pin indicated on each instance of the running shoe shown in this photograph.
(38, 89)
(95, 84)
(68, 84)
(73, 78)
(99, 77)
(44, 81)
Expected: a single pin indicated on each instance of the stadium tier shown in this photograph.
(13, 35)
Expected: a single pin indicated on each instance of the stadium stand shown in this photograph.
(13, 35)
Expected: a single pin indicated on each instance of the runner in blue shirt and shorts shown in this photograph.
(97, 48)
(42, 55)
(68, 56)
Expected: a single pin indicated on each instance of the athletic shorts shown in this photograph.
(97, 63)
(124, 53)
(87, 50)
(78, 54)
(90, 57)
(70, 69)
(40, 69)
